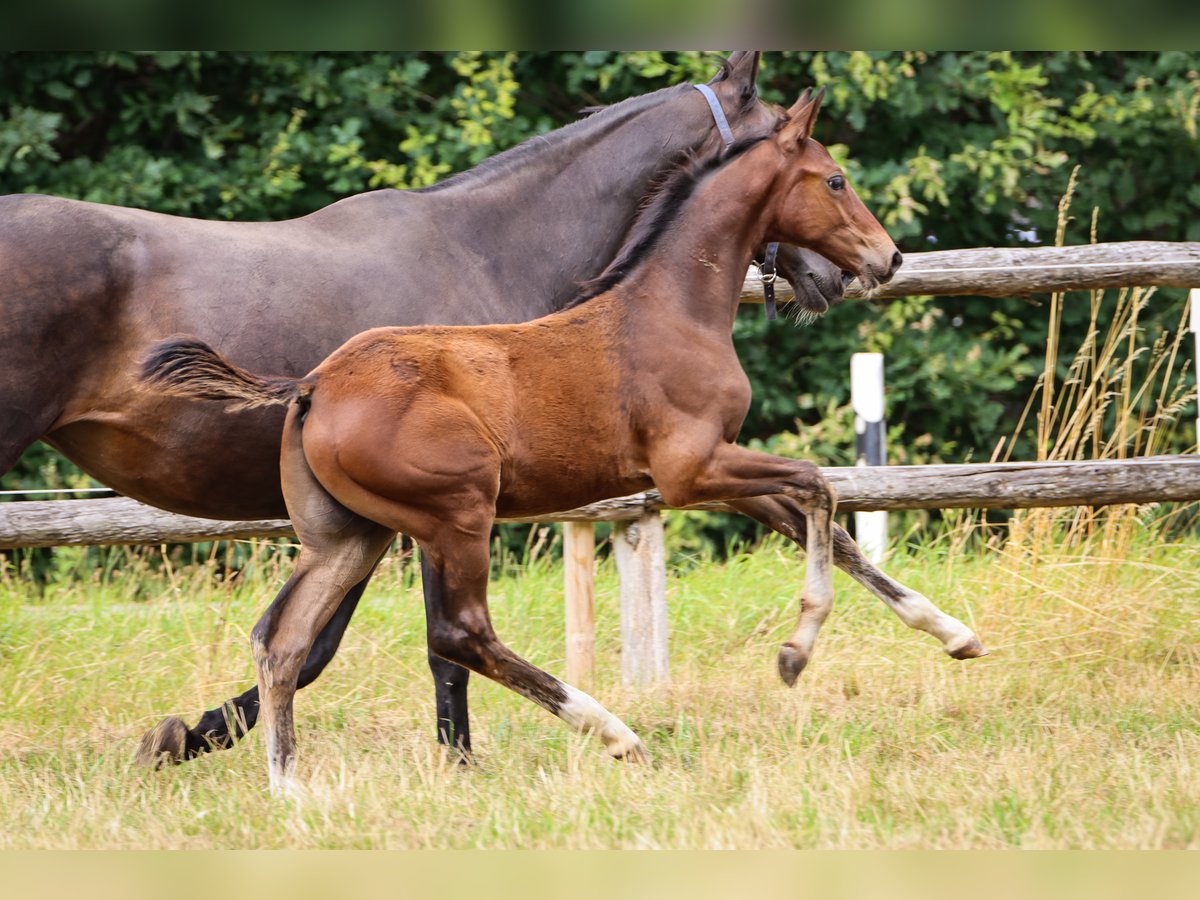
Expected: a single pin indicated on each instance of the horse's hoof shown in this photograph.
(791, 663)
(972, 649)
(635, 753)
(163, 744)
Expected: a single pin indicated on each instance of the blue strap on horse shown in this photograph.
(718, 114)
(767, 268)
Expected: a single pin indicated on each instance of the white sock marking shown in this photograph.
(583, 713)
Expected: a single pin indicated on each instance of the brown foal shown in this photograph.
(435, 432)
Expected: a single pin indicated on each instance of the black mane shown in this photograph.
(659, 210)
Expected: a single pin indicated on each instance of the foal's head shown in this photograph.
(816, 282)
(813, 205)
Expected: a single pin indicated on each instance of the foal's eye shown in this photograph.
(837, 182)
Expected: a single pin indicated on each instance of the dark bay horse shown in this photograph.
(434, 432)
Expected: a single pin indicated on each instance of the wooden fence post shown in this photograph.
(641, 567)
(579, 590)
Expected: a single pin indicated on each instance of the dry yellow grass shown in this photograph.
(1081, 730)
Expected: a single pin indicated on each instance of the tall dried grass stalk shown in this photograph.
(1122, 396)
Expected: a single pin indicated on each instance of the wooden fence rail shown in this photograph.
(638, 538)
(1012, 272)
(119, 520)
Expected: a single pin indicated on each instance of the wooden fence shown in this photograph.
(638, 545)
(1013, 485)
(638, 537)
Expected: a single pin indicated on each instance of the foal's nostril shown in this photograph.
(896, 260)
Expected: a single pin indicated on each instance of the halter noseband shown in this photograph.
(767, 267)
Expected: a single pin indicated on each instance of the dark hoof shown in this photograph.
(791, 663)
(970, 650)
(635, 753)
(164, 744)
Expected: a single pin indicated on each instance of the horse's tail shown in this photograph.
(190, 368)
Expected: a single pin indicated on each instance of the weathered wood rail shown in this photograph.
(1012, 272)
(119, 520)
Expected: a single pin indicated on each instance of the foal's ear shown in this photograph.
(742, 67)
(801, 118)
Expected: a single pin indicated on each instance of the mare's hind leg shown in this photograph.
(19, 430)
(460, 631)
(450, 688)
(913, 608)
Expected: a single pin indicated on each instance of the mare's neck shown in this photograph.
(547, 218)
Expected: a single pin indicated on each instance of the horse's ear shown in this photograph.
(805, 99)
(802, 116)
(741, 66)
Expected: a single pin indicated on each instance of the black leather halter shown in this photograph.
(767, 266)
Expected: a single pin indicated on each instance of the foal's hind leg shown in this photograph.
(171, 741)
(913, 608)
(327, 569)
(326, 527)
(460, 631)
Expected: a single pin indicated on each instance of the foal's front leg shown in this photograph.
(816, 601)
(733, 473)
(913, 608)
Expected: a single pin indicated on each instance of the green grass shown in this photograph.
(1079, 731)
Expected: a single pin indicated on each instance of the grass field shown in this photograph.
(1081, 730)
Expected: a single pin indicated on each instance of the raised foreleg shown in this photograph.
(731, 473)
(913, 608)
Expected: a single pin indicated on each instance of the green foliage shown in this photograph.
(963, 149)
(249, 135)
(950, 149)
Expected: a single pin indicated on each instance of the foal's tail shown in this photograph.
(190, 368)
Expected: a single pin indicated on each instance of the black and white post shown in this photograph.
(866, 396)
(1194, 298)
